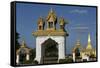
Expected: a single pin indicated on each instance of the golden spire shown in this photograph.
(40, 20)
(89, 46)
(61, 21)
(23, 44)
(51, 10)
(40, 23)
(78, 44)
(51, 14)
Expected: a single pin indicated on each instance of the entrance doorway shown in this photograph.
(49, 51)
(22, 56)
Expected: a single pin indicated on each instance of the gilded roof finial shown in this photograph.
(51, 14)
(78, 42)
(40, 20)
(89, 40)
(23, 43)
(77, 45)
(40, 17)
(51, 10)
(61, 21)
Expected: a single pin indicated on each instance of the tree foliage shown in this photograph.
(32, 54)
(17, 43)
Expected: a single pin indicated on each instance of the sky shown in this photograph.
(81, 22)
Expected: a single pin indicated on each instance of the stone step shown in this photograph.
(49, 62)
(50, 58)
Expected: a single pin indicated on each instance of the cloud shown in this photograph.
(79, 11)
(80, 28)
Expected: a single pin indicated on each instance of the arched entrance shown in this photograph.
(22, 56)
(77, 52)
(49, 51)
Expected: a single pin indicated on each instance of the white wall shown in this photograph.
(5, 34)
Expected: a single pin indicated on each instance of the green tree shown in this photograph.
(32, 53)
(17, 43)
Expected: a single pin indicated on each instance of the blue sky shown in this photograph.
(82, 20)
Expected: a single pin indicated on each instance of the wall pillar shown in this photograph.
(73, 56)
(61, 48)
(38, 50)
(27, 57)
(17, 59)
(54, 25)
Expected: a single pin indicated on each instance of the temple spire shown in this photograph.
(89, 46)
(78, 44)
(89, 40)
(40, 23)
(51, 10)
(23, 44)
(51, 20)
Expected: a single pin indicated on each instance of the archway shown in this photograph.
(49, 51)
(22, 56)
(77, 52)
